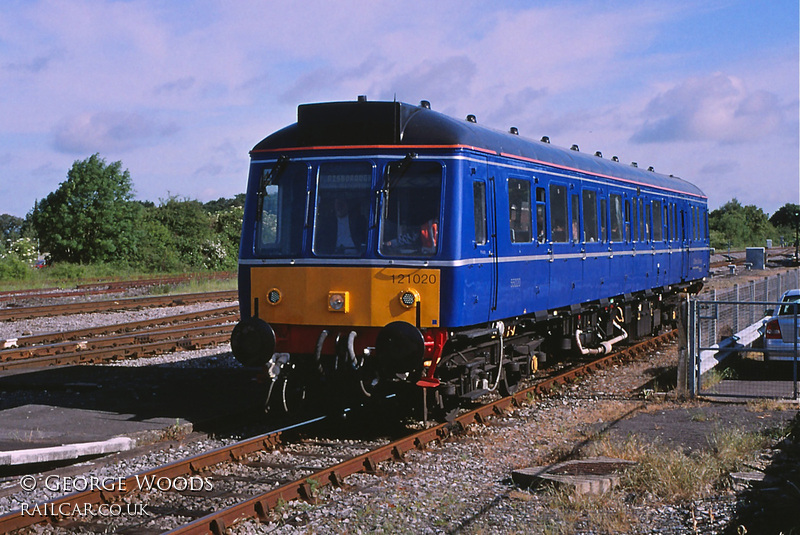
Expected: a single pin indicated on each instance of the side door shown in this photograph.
(484, 241)
(684, 244)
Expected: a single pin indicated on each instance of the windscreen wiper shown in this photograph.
(271, 179)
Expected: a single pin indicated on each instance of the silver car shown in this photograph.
(781, 330)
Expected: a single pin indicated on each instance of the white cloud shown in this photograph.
(712, 108)
(163, 87)
(108, 132)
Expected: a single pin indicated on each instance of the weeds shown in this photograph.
(768, 404)
(672, 475)
(603, 513)
(713, 377)
(176, 431)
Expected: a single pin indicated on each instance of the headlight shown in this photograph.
(409, 298)
(339, 301)
(274, 296)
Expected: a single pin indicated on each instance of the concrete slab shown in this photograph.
(594, 475)
(65, 452)
(44, 426)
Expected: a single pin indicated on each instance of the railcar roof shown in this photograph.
(363, 124)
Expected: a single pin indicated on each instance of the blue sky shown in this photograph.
(181, 91)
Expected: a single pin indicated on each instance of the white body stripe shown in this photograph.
(394, 262)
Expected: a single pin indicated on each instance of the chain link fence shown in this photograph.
(725, 341)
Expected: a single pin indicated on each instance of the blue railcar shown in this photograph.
(386, 245)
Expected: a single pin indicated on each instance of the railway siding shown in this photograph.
(17, 313)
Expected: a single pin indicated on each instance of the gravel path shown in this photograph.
(464, 485)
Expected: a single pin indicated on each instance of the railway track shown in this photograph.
(18, 313)
(126, 340)
(738, 258)
(260, 481)
(90, 332)
(114, 286)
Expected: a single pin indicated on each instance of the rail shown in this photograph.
(17, 313)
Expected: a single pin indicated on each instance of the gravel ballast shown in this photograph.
(464, 485)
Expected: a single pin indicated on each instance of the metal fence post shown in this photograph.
(684, 355)
(712, 329)
(794, 362)
(691, 326)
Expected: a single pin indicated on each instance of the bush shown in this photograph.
(12, 268)
(67, 271)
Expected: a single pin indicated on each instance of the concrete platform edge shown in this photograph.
(67, 451)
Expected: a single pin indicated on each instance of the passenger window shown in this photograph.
(642, 235)
(674, 222)
(541, 215)
(616, 220)
(627, 221)
(647, 235)
(590, 215)
(657, 224)
(791, 306)
(519, 210)
(479, 211)
(603, 220)
(576, 218)
(558, 213)
(635, 221)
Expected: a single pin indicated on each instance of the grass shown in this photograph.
(661, 475)
(570, 512)
(673, 476)
(195, 286)
(70, 275)
(713, 377)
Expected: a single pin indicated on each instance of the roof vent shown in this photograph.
(651, 169)
(545, 139)
(614, 159)
(362, 98)
(598, 154)
(471, 118)
(425, 104)
(634, 164)
(513, 130)
(575, 148)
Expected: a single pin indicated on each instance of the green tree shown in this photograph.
(10, 227)
(786, 220)
(740, 226)
(222, 204)
(227, 226)
(90, 217)
(190, 227)
(180, 234)
(155, 245)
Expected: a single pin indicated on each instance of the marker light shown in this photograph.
(274, 296)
